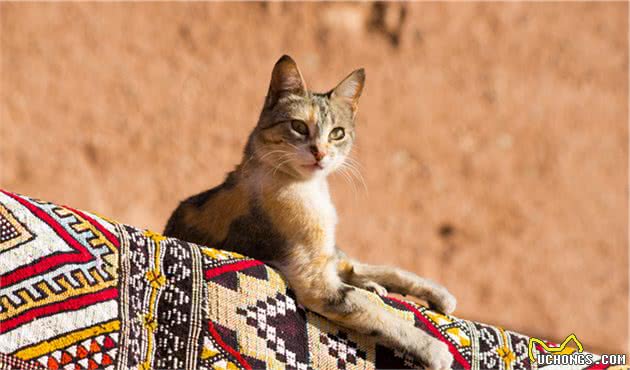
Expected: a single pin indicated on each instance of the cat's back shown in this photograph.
(205, 218)
(231, 217)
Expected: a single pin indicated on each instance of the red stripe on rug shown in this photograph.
(226, 347)
(71, 304)
(111, 237)
(436, 332)
(45, 263)
(231, 267)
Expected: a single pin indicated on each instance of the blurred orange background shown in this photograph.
(493, 137)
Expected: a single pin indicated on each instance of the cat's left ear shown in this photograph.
(285, 78)
(349, 90)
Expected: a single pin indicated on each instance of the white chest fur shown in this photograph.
(319, 209)
(315, 199)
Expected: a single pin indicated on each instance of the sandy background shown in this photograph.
(493, 137)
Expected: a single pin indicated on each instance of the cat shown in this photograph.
(276, 207)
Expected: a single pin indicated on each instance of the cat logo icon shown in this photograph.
(560, 350)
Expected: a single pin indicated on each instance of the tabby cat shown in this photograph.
(276, 207)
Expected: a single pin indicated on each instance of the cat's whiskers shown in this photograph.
(354, 161)
(352, 175)
(291, 157)
(349, 180)
(352, 166)
(256, 155)
(283, 154)
(293, 146)
(269, 171)
(273, 152)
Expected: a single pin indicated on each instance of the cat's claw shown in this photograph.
(375, 288)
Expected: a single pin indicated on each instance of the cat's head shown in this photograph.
(302, 133)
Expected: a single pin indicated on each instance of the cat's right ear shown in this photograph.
(349, 90)
(285, 79)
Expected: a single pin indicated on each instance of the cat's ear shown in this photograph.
(285, 78)
(349, 90)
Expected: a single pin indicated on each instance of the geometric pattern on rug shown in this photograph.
(161, 297)
(271, 318)
(58, 270)
(13, 233)
(344, 350)
(80, 292)
(97, 352)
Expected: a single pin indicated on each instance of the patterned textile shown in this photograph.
(80, 292)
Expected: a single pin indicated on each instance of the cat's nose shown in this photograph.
(317, 153)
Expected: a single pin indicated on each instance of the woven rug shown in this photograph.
(80, 292)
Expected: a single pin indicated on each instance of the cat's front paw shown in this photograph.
(443, 301)
(432, 353)
(437, 356)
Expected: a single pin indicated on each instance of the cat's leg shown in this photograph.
(345, 270)
(352, 308)
(398, 281)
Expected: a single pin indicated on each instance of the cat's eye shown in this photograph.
(337, 134)
(299, 127)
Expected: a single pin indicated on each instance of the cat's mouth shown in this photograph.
(313, 166)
